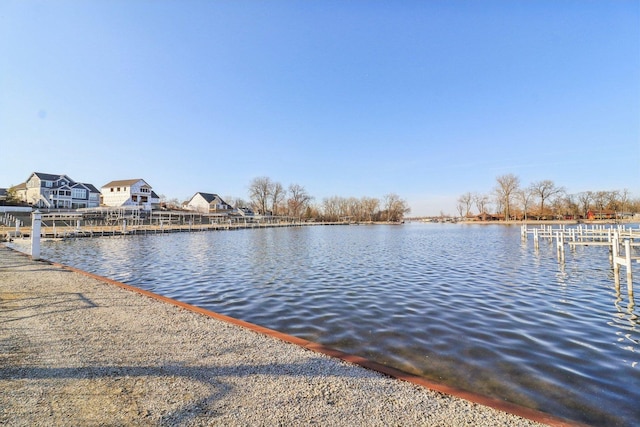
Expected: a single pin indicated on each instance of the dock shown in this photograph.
(623, 242)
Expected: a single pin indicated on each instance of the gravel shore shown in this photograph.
(79, 351)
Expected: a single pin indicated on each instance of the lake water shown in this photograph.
(468, 305)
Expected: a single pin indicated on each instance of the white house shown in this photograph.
(52, 191)
(129, 192)
(208, 203)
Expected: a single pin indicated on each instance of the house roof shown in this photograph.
(86, 186)
(209, 197)
(21, 186)
(49, 176)
(124, 183)
(90, 187)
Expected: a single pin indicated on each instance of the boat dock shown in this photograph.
(623, 242)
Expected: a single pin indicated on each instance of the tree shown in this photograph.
(505, 190)
(544, 190)
(600, 200)
(525, 195)
(465, 201)
(259, 193)
(482, 202)
(395, 207)
(370, 207)
(584, 201)
(330, 208)
(277, 196)
(12, 197)
(298, 200)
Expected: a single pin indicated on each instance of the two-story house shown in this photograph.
(208, 203)
(52, 191)
(129, 192)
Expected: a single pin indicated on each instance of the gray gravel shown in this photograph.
(77, 351)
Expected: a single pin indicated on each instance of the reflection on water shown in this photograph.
(472, 306)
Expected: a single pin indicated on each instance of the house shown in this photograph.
(52, 191)
(129, 192)
(601, 214)
(208, 203)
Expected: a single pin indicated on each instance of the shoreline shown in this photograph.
(162, 332)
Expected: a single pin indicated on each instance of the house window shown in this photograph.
(111, 189)
(118, 188)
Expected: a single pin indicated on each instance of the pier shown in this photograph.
(622, 241)
(132, 221)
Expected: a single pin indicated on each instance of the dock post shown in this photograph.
(627, 256)
(124, 226)
(17, 227)
(36, 219)
(615, 250)
(536, 243)
(560, 245)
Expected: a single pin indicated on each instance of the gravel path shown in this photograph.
(75, 350)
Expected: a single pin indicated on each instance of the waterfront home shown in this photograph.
(129, 192)
(208, 203)
(51, 191)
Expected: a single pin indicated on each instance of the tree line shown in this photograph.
(544, 199)
(271, 197)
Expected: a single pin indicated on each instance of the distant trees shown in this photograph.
(267, 196)
(516, 202)
(298, 200)
(544, 190)
(505, 190)
(364, 209)
(395, 207)
(464, 204)
(260, 191)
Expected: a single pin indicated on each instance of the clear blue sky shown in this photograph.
(426, 99)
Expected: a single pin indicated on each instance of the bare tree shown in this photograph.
(525, 195)
(544, 190)
(330, 208)
(600, 199)
(465, 200)
(298, 200)
(259, 193)
(277, 197)
(584, 201)
(370, 207)
(505, 190)
(395, 207)
(482, 203)
(624, 199)
(571, 206)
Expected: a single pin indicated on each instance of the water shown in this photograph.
(471, 306)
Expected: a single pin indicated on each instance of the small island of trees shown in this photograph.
(270, 197)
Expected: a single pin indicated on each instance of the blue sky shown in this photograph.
(426, 99)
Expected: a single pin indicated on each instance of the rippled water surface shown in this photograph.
(471, 306)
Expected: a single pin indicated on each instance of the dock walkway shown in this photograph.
(76, 349)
